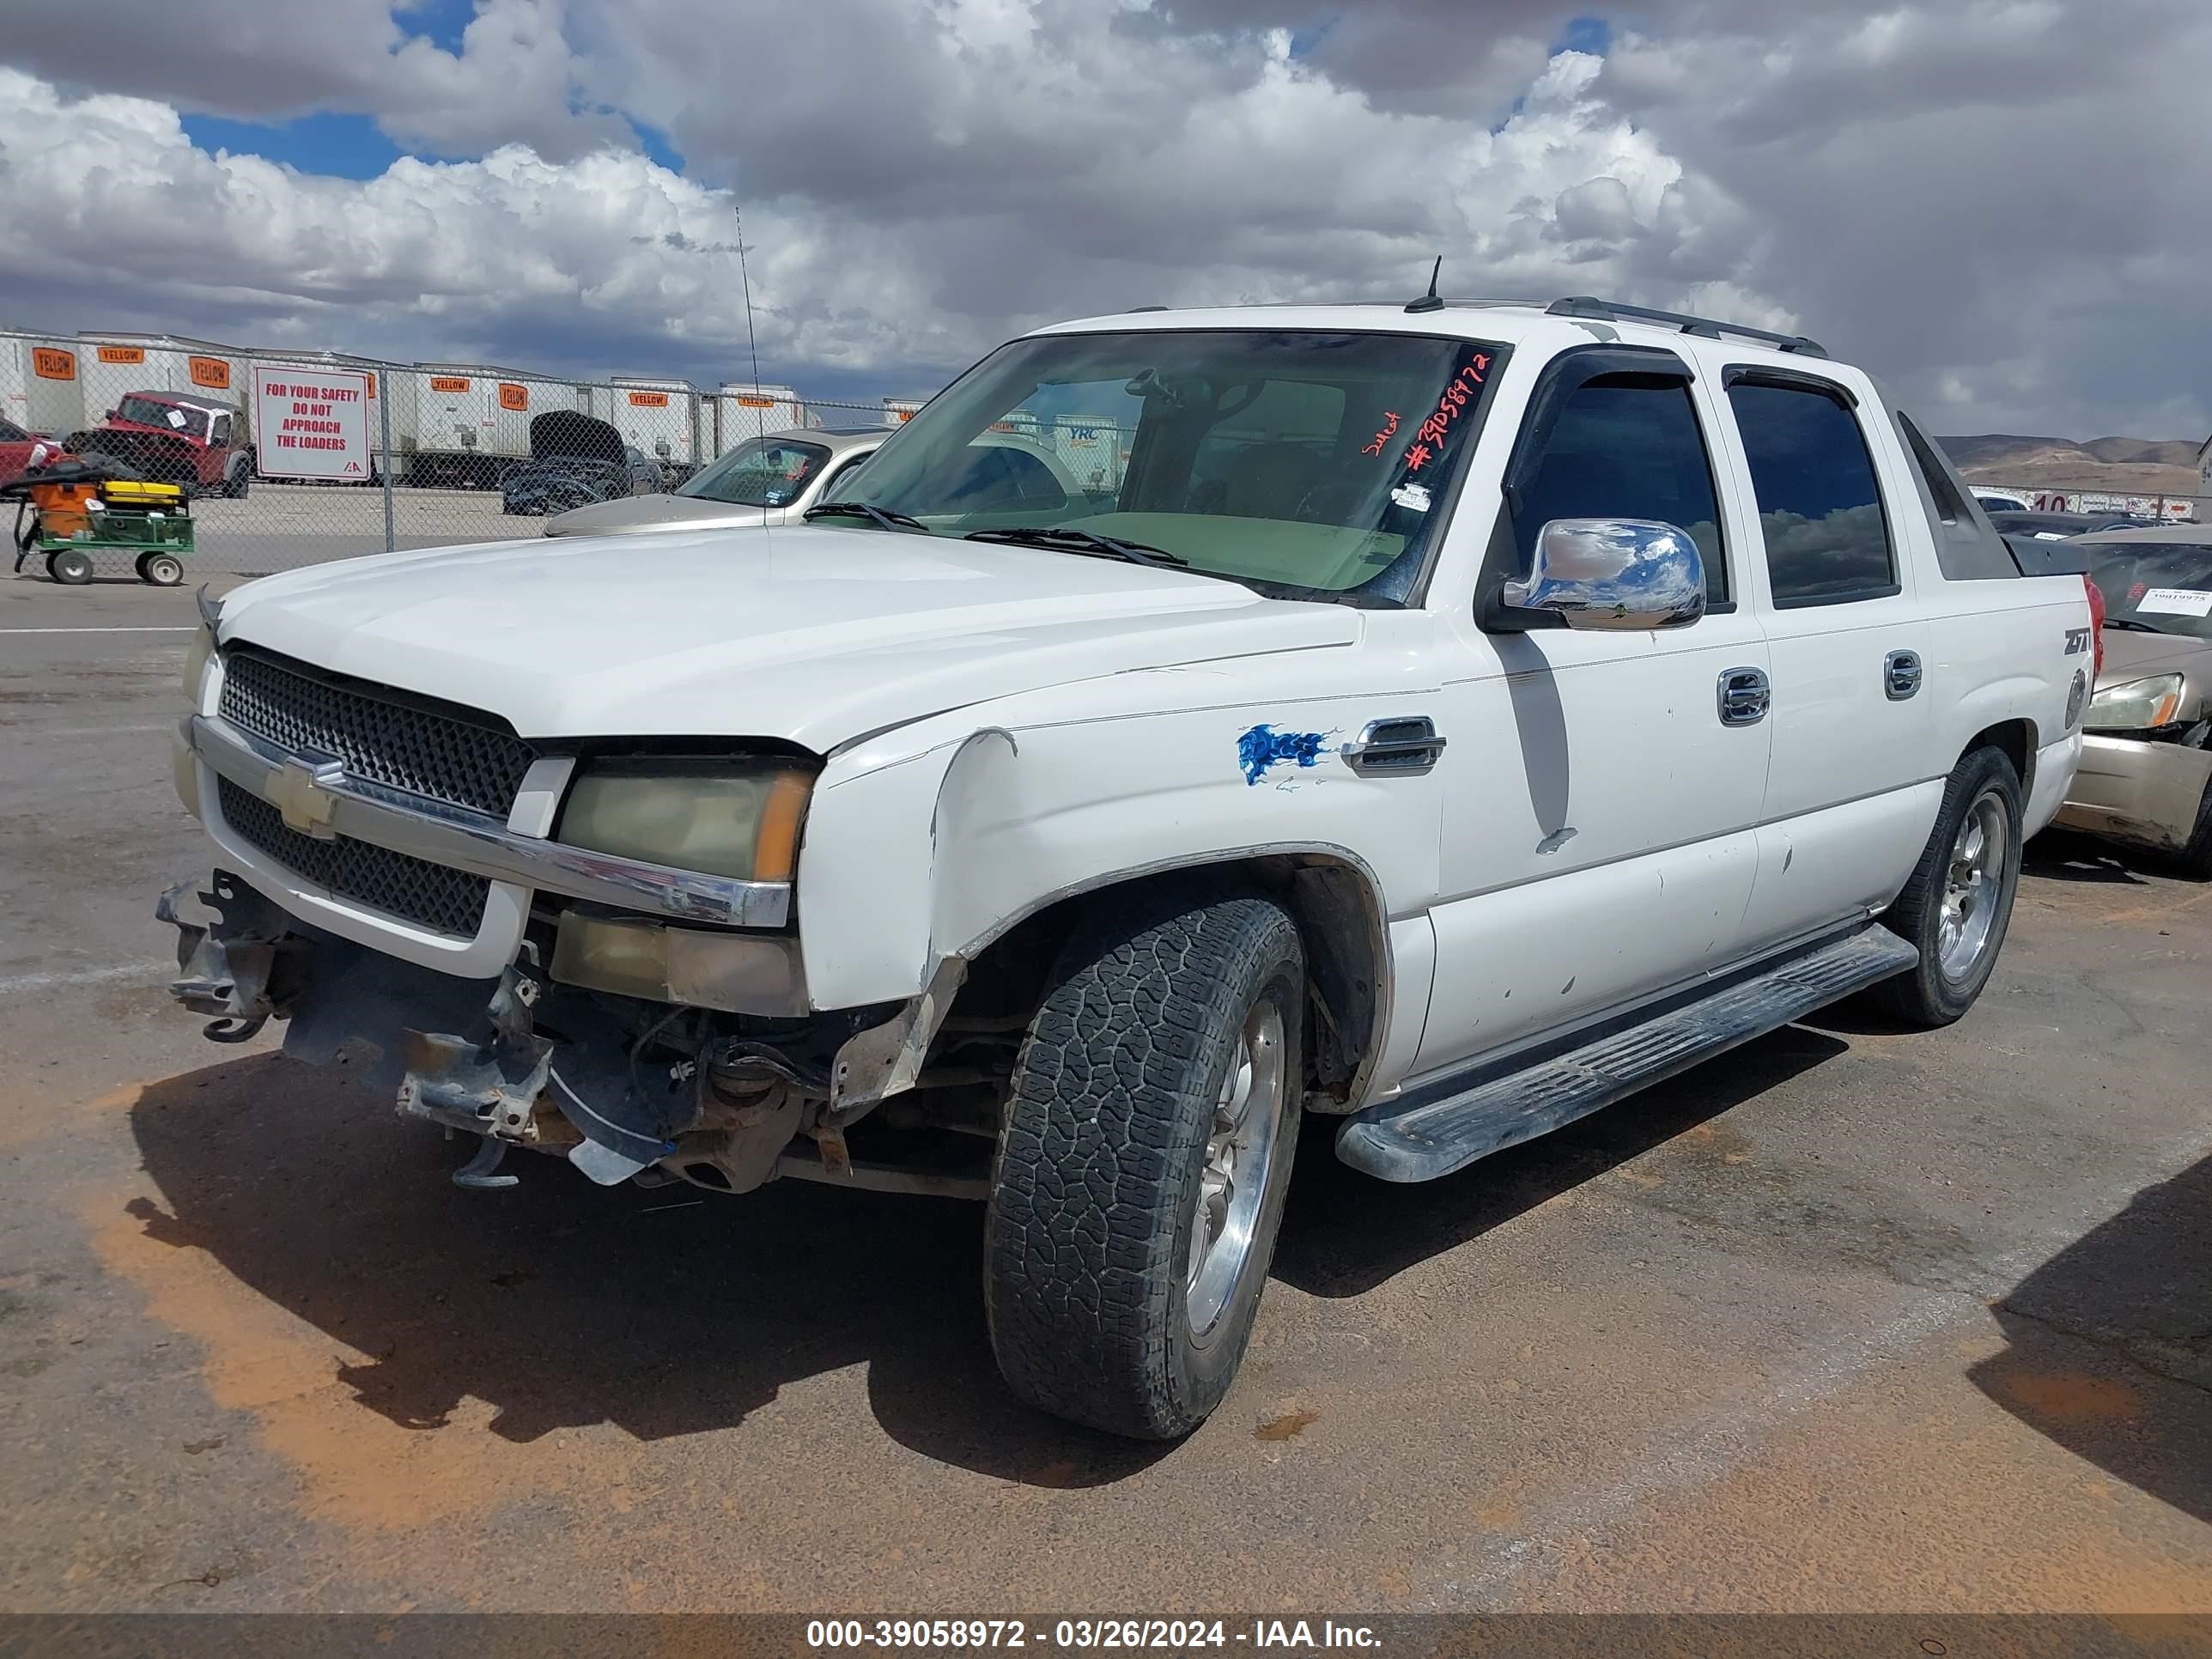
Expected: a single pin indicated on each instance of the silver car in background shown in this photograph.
(768, 480)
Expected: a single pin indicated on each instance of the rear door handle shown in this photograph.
(1900, 674)
(1745, 694)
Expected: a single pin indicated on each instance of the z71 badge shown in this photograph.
(2077, 641)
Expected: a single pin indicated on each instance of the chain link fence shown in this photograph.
(292, 458)
(2095, 501)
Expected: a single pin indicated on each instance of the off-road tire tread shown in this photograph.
(1112, 1097)
(1922, 997)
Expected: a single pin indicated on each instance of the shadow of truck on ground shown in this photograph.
(664, 1313)
(2111, 1351)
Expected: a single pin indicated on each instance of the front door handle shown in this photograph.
(1404, 745)
(1900, 674)
(1744, 695)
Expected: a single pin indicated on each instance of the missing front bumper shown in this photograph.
(614, 1085)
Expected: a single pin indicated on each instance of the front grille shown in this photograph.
(429, 895)
(457, 756)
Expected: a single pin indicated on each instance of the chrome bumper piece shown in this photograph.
(339, 804)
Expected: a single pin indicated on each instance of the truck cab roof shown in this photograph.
(1508, 322)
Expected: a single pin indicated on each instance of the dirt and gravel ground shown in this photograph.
(1850, 1319)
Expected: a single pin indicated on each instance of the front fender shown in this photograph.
(909, 865)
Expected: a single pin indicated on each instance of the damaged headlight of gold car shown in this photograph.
(2135, 705)
(739, 818)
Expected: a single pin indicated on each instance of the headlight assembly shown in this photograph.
(737, 817)
(2135, 706)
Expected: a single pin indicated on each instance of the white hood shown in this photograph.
(811, 634)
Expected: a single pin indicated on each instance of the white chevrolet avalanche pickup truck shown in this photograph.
(1452, 718)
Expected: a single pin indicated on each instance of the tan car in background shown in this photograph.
(2146, 772)
(770, 480)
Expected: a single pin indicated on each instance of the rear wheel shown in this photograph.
(1141, 1171)
(237, 481)
(71, 566)
(1958, 901)
(160, 570)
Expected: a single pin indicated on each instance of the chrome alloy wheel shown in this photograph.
(1973, 884)
(1240, 1150)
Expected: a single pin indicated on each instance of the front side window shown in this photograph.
(1311, 464)
(1627, 446)
(1828, 541)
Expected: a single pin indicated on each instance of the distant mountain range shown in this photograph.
(2147, 465)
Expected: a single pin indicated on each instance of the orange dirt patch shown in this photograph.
(29, 1113)
(358, 1468)
(2066, 1396)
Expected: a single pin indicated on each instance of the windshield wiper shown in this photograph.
(862, 510)
(2129, 624)
(1078, 541)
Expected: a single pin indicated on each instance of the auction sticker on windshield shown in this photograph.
(310, 423)
(2176, 602)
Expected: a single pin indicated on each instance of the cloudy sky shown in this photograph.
(1999, 204)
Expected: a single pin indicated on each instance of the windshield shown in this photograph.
(758, 472)
(1315, 465)
(2166, 586)
(145, 412)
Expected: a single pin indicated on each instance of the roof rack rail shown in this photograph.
(1605, 311)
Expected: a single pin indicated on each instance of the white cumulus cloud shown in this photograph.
(1957, 194)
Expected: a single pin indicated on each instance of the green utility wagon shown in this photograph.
(79, 520)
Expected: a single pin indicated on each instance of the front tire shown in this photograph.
(160, 570)
(1142, 1167)
(237, 481)
(1958, 903)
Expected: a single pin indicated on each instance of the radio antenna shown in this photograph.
(745, 282)
(752, 341)
(1429, 301)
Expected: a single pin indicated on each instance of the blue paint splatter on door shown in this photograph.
(1263, 746)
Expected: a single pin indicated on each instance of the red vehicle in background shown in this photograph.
(175, 439)
(16, 447)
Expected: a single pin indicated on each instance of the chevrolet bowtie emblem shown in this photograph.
(302, 792)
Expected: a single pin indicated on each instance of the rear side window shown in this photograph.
(842, 474)
(1627, 447)
(1827, 540)
(1967, 546)
(1950, 506)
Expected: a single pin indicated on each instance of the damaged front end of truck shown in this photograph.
(625, 1088)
